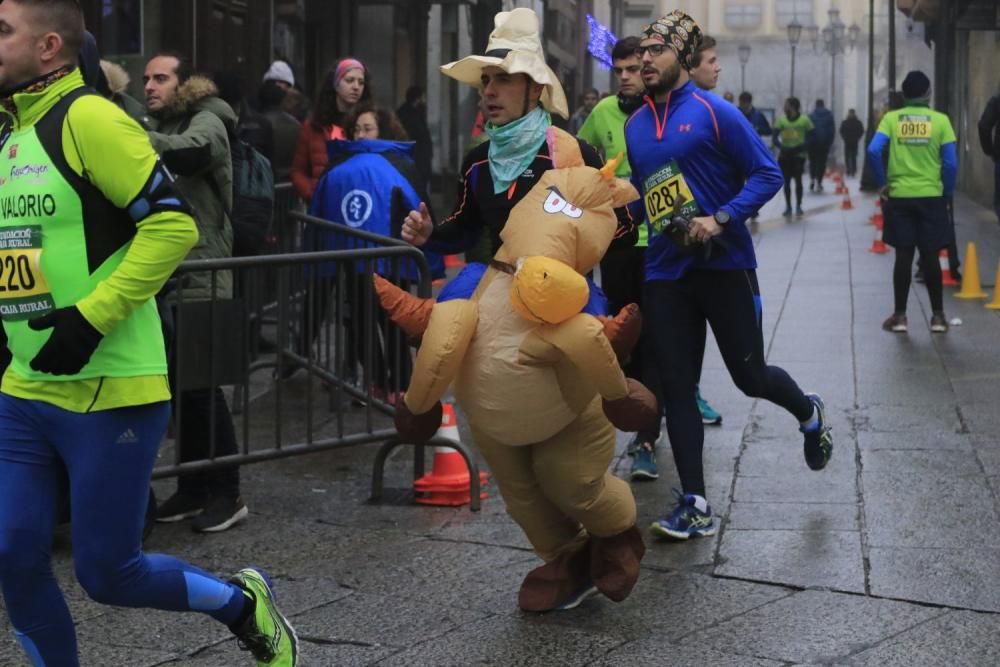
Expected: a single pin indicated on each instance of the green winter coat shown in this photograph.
(192, 136)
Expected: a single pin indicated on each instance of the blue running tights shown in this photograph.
(109, 456)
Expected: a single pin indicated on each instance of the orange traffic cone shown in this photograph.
(995, 303)
(448, 482)
(453, 262)
(946, 278)
(846, 205)
(877, 215)
(878, 246)
(971, 287)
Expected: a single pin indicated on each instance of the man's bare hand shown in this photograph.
(702, 229)
(417, 226)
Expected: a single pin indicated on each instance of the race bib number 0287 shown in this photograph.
(913, 129)
(664, 188)
(24, 293)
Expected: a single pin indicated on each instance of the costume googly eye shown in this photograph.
(556, 203)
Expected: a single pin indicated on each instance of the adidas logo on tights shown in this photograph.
(127, 438)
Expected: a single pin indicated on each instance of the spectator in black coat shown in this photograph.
(271, 97)
(413, 115)
(252, 127)
(851, 131)
(989, 137)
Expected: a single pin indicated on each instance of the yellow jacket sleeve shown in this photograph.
(113, 152)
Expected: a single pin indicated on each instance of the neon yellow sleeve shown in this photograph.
(113, 152)
(886, 126)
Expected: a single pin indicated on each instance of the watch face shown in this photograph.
(722, 217)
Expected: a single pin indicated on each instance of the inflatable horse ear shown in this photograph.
(569, 214)
(564, 150)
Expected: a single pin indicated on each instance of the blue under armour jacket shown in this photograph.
(724, 163)
(369, 185)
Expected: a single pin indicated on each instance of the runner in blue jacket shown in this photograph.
(698, 162)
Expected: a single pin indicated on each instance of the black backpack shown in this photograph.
(253, 201)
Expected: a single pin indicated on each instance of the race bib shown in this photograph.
(663, 190)
(24, 294)
(913, 129)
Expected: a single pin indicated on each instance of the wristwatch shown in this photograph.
(722, 217)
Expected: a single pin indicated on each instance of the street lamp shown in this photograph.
(744, 53)
(794, 34)
(837, 38)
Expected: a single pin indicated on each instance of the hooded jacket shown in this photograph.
(192, 135)
(117, 80)
(371, 185)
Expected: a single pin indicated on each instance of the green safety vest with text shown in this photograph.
(59, 238)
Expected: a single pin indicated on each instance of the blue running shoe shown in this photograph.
(644, 463)
(633, 445)
(685, 520)
(708, 415)
(818, 444)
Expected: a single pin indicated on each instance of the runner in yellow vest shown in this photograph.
(917, 194)
(90, 229)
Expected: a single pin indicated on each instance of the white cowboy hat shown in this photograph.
(514, 47)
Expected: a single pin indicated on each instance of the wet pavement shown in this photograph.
(890, 556)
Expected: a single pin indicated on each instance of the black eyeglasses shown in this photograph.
(654, 50)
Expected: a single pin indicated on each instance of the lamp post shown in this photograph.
(744, 53)
(837, 39)
(868, 183)
(794, 34)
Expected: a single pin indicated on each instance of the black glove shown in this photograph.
(70, 345)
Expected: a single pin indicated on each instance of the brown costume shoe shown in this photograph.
(614, 563)
(559, 584)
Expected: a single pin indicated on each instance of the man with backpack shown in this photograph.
(191, 130)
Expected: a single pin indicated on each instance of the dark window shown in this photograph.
(121, 27)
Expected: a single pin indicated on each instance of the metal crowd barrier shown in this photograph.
(307, 357)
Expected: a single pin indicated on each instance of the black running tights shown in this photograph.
(901, 278)
(674, 316)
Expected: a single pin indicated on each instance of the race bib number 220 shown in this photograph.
(24, 294)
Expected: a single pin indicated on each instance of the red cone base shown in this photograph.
(448, 482)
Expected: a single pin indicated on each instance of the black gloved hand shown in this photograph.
(70, 345)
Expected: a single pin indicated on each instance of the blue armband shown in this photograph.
(157, 195)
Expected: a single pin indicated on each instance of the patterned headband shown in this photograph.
(678, 31)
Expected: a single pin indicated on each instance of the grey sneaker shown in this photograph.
(644, 463)
(939, 323)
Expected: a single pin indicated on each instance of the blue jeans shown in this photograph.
(109, 458)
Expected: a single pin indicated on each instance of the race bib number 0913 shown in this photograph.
(913, 129)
